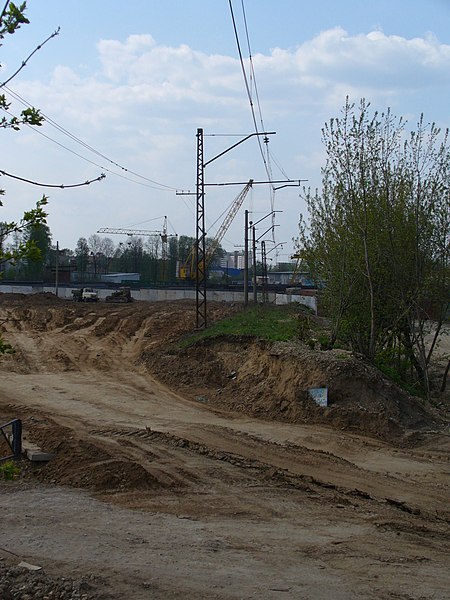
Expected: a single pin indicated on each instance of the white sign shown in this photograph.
(319, 395)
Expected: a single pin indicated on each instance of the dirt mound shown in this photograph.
(83, 464)
(39, 299)
(271, 381)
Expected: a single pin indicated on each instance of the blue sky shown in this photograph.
(135, 80)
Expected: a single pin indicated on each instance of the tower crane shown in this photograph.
(164, 235)
(187, 269)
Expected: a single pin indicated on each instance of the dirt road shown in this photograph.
(160, 496)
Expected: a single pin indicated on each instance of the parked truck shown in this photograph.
(85, 295)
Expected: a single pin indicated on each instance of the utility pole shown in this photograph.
(254, 240)
(246, 259)
(57, 269)
(255, 291)
(265, 291)
(200, 254)
(200, 259)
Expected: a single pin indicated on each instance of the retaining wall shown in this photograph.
(161, 295)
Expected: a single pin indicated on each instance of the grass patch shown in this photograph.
(9, 470)
(272, 323)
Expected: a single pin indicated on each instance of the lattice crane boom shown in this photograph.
(164, 235)
(120, 231)
(237, 203)
(187, 270)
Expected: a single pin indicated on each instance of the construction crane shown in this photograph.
(164, 235)
(187, 270)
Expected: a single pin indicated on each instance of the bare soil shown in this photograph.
(208, 472)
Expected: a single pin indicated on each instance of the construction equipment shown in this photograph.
(164, 235)
(187, 270)
(298, 257)
(85, 295)
(122, 295)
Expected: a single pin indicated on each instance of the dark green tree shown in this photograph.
(40, 238)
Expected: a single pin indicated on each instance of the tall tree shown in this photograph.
(379, 232)
(40, 237)
(102, 251)
(82, 254)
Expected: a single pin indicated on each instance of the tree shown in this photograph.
(40, 237)
(102, 251)
(11, 18)
(82, 254)
(378, 235)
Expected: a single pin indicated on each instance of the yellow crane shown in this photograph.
(187, 270)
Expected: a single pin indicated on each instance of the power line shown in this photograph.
(87, 146)
(52, 185)
(266, 159)
(84, 158)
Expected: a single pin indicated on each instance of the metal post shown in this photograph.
(246, 259)
(17, 438)
(265, 291)
(57, 269)
(201, 233)
(255, 292)
(200, 271)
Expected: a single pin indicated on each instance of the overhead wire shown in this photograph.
(84, 157)
(64, 131)
(53, 185)
(265, 155)
(266, 159)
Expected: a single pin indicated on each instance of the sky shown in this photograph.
(134, 81)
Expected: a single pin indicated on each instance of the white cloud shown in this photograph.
(143, 106)
(139, 75)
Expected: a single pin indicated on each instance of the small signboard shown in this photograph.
(319, 395)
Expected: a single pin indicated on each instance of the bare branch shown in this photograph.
(24, 63)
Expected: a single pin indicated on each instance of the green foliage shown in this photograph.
(12, 18)
(9, 471)
(6, 348)
(28, 116)
(38, 239)
(272, 323)
(27, 249)
(397, 371)
(378, 236)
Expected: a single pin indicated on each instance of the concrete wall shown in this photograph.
(161, 295)
(309, 301)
